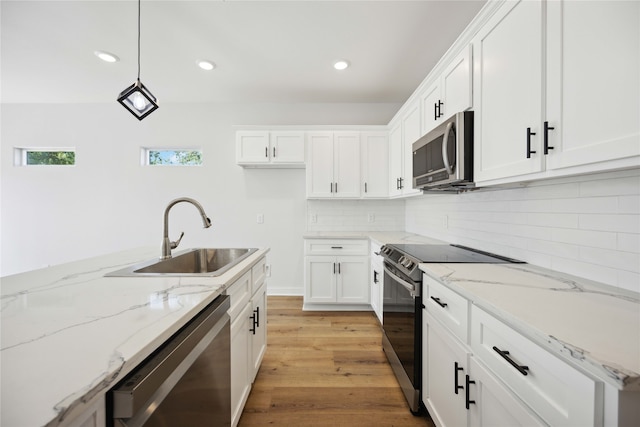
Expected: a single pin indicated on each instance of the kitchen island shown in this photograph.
(68, 333)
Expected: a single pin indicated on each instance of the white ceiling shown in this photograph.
(265, 51)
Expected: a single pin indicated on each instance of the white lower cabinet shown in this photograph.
(496, 376)
(240, 355)
(377, 281)
(248, 314)
(444, 374)
(336, 274)
(494, 404)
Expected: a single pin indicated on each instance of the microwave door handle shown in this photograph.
(445, 150)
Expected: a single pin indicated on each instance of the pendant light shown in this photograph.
(137, 98)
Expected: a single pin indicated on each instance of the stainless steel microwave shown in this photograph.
(443, 158)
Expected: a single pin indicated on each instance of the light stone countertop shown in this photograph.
(590, 325)
(381, 237)
(68, 333)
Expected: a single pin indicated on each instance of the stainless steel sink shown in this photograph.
(193, 262)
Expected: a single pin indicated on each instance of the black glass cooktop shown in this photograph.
(451, 254)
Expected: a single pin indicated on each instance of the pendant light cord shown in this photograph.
(139, 40)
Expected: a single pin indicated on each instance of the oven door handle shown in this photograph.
(414, 291)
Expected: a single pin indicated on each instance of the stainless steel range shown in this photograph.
(402, 306)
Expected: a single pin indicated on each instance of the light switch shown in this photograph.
(260, 218)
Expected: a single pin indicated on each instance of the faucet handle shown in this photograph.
(177, 242)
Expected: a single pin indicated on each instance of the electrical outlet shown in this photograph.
(371, 217)
(260, 218)
(267, 270)
(314, 218)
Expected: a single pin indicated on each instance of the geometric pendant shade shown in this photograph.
(138, 100)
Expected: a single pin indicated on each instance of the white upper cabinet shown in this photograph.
(375, 164)
(593, 81)
(270, 148)
(450, 93)
(563, 107)
(401, 139)
(333, 166)
(507, 92)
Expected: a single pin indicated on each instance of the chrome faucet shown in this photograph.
(167, 244)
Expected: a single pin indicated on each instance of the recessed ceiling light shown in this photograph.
(206, 65)
(341, 65)
(106, 56)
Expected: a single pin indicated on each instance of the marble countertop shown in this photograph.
(68, 333)
(590, 325)
(381, 237)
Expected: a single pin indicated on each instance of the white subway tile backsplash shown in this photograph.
(621, 223)
(587, 225)
(353, 215)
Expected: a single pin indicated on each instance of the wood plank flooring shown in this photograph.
(325, 369)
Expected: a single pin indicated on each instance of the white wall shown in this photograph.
(108, 202)
(587, 226)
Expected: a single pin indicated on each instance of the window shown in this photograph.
(44, 156)
(171, 157)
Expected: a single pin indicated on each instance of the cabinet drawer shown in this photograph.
(336, 247)
(448, 307)
(240, 293)
(258, 274)
(560, 394)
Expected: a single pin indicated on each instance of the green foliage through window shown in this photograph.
(51, 158)
(175, 157)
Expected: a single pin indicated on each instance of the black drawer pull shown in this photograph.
(547, 128)
(437, 300)
(505, 355)
(253, 322)
(456, 368)
(336, 247)
(467, 398)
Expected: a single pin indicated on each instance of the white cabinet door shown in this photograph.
(494, 405)
(593, 83)
(240, 363)
(445, 373)
(375, 164)
(346, 164)
(431, 106)
(395, 160)
(507, 89)
(411, 132)
(252, 147)
(320, 279)
(450, 93)
(258, 330)
(377, 286)
(353, 279)
(456, 85)
(319, 172)
(287, 147)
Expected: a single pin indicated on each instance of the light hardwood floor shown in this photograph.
(324, 369)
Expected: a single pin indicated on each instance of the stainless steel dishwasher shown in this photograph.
(186, 382)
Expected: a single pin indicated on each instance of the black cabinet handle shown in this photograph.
(467, 399)
(435, 111)
(266, 151)
(505, 355)
(365, 187)
(339, 268)
(456, 368)
(440, 104)
(331, 185)
(397, 183)
(401, 186)
(274, 151)
(437, 300)
(547, 128)
(375, 277)
(336, 187)
(253, 323)
(336, 247)
(257, 314)
(529, 150)
(334, 268)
